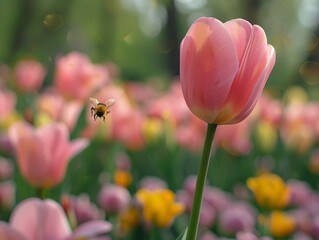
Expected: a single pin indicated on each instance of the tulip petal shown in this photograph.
(252, 65)
(240, 31)
(40, 220)
(27, 143)
(92, 229)
(77, 146)
(59, 149)
(258, 87)
(208, 66)
(8, 233)
(70, 150)
(56, 137)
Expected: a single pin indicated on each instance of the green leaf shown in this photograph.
(182, 236)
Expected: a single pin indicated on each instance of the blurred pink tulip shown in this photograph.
(217, 198)
(302, 218)
(246, 236)
(152, 183)
(301, 236)
(207, 216)
(190, 184)
(300, 192)
(299, 126)
(6, 168)
(29, 75)
(122, 161)
(5, 143)
(82, 208)
(7, 194)
(223, 68)
(58, 109)
(34, 219)
(7, 106)
(270, 110)
(237, 218)
(128, 130)
(114, 199)
(170, 106)
(77, 77)
(250, 236)
(235, 138)
(208, 236)
(43, 153)
(190, 134)
(215, 201)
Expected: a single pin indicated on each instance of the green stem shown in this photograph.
(200, 183)
(41, 193)
(153, 233)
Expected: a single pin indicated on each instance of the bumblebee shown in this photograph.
(100, 109)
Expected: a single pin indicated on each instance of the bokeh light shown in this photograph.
(53, 21)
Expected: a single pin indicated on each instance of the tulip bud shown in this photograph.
(223, 68)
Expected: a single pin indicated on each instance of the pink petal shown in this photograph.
(30, 154)
(40, 220)
(252, 65)
(240, 31)
(55, 138)
(92, 229)
(208, 65)
(77, 146)
(258, 87)
(58, 150)
(8, 233)
(62, 160)
(71, 113)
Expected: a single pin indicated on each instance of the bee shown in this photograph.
(100, 109)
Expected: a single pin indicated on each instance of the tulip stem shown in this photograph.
(41, 193)
(200, 183)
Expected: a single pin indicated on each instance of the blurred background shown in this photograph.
(142, 36)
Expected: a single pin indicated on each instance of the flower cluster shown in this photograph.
(133, 175)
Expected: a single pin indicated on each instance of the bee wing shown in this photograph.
(109, 103)
(94, 101)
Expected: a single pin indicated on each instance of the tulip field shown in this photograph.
(224, 149)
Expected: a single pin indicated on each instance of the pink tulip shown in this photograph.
(6, 168)
(7, 106)
(43, 153)
(223, 68)
(58, 109)
(7, 194)
(81, 206)
(270, 110)
(208, 236)
(171, 106)
(29, 75)
(235, 138)
(113, 198)
(300, 192)
(77, 77)
(237, 218)
(152, 183)
(190, 134)
(34, 219)
(298, 126)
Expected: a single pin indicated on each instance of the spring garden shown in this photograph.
(242, 74)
